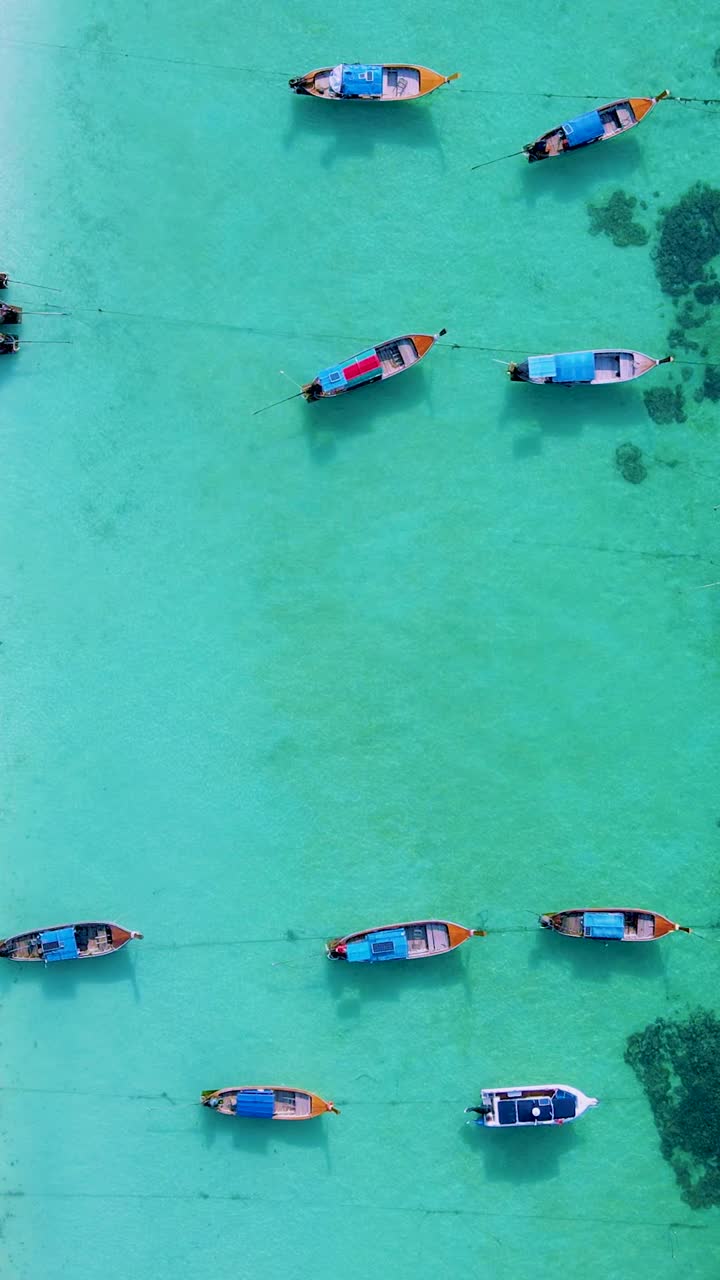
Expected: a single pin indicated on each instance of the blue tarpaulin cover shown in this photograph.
(564, 1105)
(390, 944)
(604, 924)
(357, 369)
(575, 366)
(332, 379)
(258, 1104)
(507, 1112)
(361, 77)
(583, 128)
(541, 366)
(59, 944)
(526, 1106)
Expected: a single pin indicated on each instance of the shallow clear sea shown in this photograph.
(421, 651)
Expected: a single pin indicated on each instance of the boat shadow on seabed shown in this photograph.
(353, 129)
(64, 981)
(571, 178)
(327, 422)
(567, 411)
(354, 984)
(521, 1155)
(596, 961)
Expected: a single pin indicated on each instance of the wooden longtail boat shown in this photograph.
(374, 365)
(4, 279)
(83, 941)
(9, 343)
(10, 315)
(370, 82)
(612, 924)
(584, 368)
(594, 126)
(266, 1102)
(530, 1104)
(413, 941)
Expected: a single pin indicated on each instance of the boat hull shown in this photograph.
(398, 86)
(612, 365)
(425, 938)
(531, 1106)
(617, 118)
(395, 356)
(638, 925)
(288, 1103)
(28, 947)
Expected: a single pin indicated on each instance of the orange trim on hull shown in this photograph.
(641, 106)
(663, 925)
(318, 1105)
(423, 343)
(457, 934)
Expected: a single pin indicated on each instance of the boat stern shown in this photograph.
(335, 949)
(303, 84)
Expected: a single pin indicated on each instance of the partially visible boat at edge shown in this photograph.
(9, 343)
(10, 314)
(84, 941)
(530, 1105)
(584, 368)
(266, 1102)
(611, 924)
(593, 126)
(370, 82)
(376, 364)
(413, 941)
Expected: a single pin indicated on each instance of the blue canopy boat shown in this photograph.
(530, 1105)
(266, 1102)
(370, 82)
(589, 368)
(84, 941)
(592, 126)
(611, 924)
(414, 940)
(373, 365)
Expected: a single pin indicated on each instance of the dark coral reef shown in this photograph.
(614, 217)
(628, 460)
(689, 239)
(678, 1065)
(665, 404)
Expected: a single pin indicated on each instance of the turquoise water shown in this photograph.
(421, 651)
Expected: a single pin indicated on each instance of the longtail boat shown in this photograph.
(593, 126)
(584, 368)
(413, 941)
(370, 82)
(530, 1104)
(266, 1102)
(9, 343)
(4, 279)
(10, 315)
(374, 365)
(612, 924)
(83, 941)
